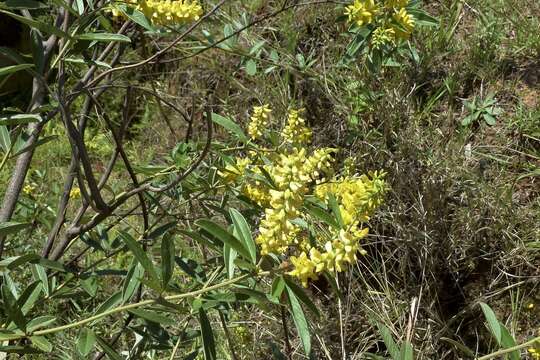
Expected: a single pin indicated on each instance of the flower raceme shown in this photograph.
(287, 178)
(390, 19)
(166, 12)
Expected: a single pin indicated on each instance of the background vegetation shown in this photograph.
(452, 116)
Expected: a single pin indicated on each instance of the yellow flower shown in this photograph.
(405, 22)
(304, 268)
(232, 172)
(29, 189)
(362, 12)
(382, 36)
(259, 121)
(396, 3)
(75, 193)
(166, 12)
(295, 132)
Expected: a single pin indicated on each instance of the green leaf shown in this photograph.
(230, 125)
(223, 235)
(459, 346)
(335, 209)
(35, 24)
(13, 311)
(41, 343)
(300, 294)
(23, 4)
(111, 302)
(207, 334)
(407, 352)
(8, 335)
(251, 67)
(229, 256)
(507, 341)
(7, 228)
(5, 144)
(86, 341)
(153, 316)
(106, 37)
(299, 320)
(40, 142)
(244, 233)
(493, 323)
(12, 69)
(107, 349)
(16, 261)
(137, 16)
(423, 18)
(132, 280)
(389, 341)
(321, 215)
(167, 259)
(278, 285)
(490, 119)
(40, 322)
(140, 255)
(19, 119)
(39, 274)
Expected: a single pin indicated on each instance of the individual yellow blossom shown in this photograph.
(362, 12)
(29, 189)
(304, 268)
(295, 132)
(259, 121)
(396, 4)
(75, 193)
(405, 22)
(382, 36)
(166, 12)
(535, 354)
(231, 172)
(530, 306)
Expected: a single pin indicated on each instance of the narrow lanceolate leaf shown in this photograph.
(107, 349)
(153, 316)
(167, 259)
(230, 125)
(39, 25)
(7, 228)
(406, 351)
(41, 343)
(23, 4)
(140, 255)
(229, 256)
(299, 320)
(6, 70)
(40, 322)
(492, 321)
(207, 334)
(12, 309)
(507, 341)
(244, 233)
(86, 341)
(137, 16)
(132, 281)
(389, 341)
(18, 119)
(301, 294)
(106, 37)
(223, 235)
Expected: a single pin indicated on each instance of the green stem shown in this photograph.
(510, 349)
(133, 306)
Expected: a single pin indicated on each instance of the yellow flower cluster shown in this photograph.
(281, 179)
(357, 198)
(295, 132)
(166, 12)
(362, 12)
(390, 17)
(259, 121)
(29, 189)
(75, 193)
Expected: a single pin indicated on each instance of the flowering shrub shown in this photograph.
(310, 214)
(381, 26)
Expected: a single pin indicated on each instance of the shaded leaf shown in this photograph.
(230, 125)
(140, 255)
(244, 233)
(153, 316)
(223, 235)
(86, 341)
(207, 334)
(493, 323)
